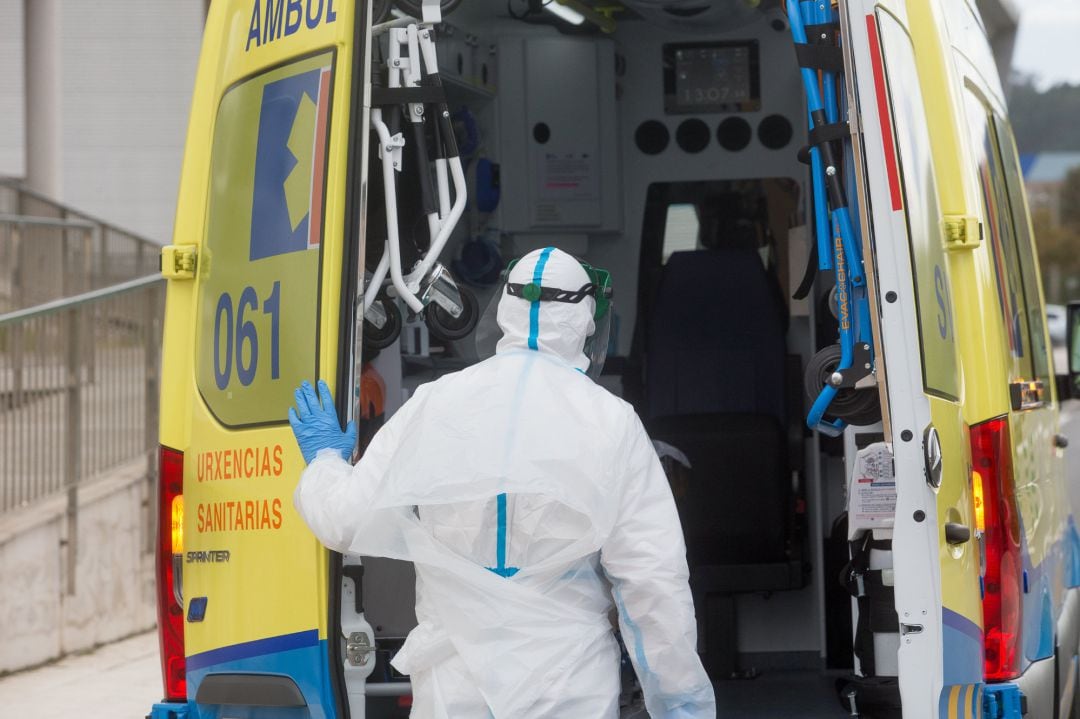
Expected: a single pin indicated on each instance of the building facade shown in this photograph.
(96, 97)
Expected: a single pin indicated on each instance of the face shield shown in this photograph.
(596, 344)
(599, 289)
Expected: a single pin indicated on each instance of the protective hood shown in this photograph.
(554, 328)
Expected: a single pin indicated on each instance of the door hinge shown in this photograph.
(178, 261)
(962, 232)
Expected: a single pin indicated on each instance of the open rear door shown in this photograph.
(270, 204)
(934, 548)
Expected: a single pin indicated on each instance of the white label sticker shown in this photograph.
(569, 176)
(872, 492)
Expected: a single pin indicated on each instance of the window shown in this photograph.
(933, 290)
(1008, 232)
(258, 268)
(681, 230)
(1025, 246)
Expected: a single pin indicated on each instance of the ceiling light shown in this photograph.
(564, 13)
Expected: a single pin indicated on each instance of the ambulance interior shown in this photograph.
(667, 152)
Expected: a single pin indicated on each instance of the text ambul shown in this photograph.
(273, 19)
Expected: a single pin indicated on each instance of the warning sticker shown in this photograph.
(569, 176)
(872, 492)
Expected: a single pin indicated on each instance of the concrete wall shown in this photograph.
(104, 88)
(128, 71)
(114, 572)
(12, 90)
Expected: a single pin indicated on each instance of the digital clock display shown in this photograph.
(713, 77)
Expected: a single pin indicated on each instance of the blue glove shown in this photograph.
(316, 426)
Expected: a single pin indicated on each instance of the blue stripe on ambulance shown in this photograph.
(301, 656)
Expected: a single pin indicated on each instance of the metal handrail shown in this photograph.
(45, 221)
(49, 251)
(15, 186)
(79, 392)
(66, 303)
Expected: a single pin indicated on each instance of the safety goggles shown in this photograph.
(599, 288)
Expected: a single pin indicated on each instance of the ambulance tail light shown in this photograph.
(991, 456)
(169, 545)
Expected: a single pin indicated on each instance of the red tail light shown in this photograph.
(991, 455)
(169, 541)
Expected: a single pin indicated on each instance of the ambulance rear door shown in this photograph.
(271, 199)
(934, 549)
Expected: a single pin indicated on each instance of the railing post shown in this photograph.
(16, 335)
(103, 256)
(65, 266)
(152, 345)
(73, 444)
(16, 367)
(86, 255)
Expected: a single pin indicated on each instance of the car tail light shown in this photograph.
(991, 456)
(169, 547)
(979, 500)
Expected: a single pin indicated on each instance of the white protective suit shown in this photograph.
(520, 489)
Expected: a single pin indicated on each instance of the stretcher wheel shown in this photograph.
(444, 326)
(854, 406)
(376, 339)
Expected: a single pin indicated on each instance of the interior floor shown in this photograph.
(789, 694)
(794, 694)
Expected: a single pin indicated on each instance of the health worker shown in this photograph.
(531, 502)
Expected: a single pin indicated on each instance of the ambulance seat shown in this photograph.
(715, 340)
(714, 361)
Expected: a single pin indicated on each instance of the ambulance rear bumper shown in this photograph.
(169, 711)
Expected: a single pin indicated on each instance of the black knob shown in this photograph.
(957, 533)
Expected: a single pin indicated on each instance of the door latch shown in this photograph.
(962, 232)
(357, 647)
(178, 262)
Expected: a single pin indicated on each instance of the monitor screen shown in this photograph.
(711, 77)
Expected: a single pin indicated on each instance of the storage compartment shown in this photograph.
(557, 116)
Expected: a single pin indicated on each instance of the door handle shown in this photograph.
(1061, 441)
(956, 533)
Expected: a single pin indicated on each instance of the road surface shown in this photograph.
(117, 681)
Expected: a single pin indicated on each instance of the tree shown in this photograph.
(1059, 241)
(1044, 121)
(1070, 201)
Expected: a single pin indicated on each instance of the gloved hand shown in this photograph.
(316, 426)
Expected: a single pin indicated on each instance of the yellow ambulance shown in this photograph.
(827, 311)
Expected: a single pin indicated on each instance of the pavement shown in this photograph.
(116, 681)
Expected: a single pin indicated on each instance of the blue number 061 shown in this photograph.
(246, 346)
